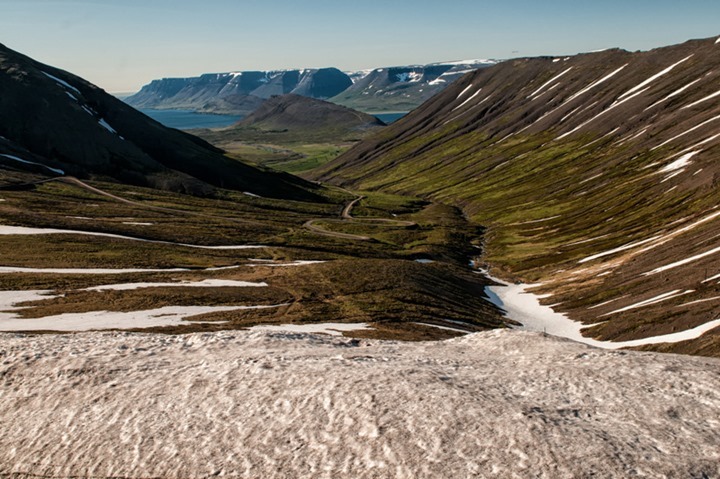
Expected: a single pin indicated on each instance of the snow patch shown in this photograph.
(23, 230)
(654, 77)
(657, 299)
(332, 329)
(103, 320)
(206, 283)
(15, 158)
(549, 82)
(702, 100)
(61, 82)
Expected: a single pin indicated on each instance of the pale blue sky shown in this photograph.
(122, 44)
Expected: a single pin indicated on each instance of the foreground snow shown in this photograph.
(252, 404)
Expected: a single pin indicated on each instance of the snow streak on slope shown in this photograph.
(496, 404)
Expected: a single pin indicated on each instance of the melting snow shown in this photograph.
(686, 132)
(525, 308)
(100, 320)
(206, 283)
(619, 249)
(62, 82)
(683, 262)
(23, 230)
(654, 77)
(466, 101)
(105, 125)
(332, 329)
(595, 84)
(717, 93)
(675, 93)
(657, 299)
(544, 85)
(464, 91)
(15, 158)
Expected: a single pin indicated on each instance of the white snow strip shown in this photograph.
(617, 250)
(18, 269)
(137, 223)
(587, 240)
(686, 132)
(286, 265)
(595, 84)
(206, 283)
(657, 299)
(62, 82)
(105, 125)
(709, 97)
(253, 195)
(15, 158)
(101, 320)
(683, 262)
(698, 302)
(654, 77)
(607, 110)
(717, 41)
(71, 96)
(464, 91)
(332, 329)
(607, 302)
(9, 300)
(675, 93)
(541, 220)
(549, 82)
(446, 328)
(524, 307)
(713, 278)
(23, 230)
(466, 101)
(681, 162)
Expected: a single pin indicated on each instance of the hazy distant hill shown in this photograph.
(597, 175)
(383, 89)
(64, 124)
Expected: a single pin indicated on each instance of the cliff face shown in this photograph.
(201, 92)
(597, 176)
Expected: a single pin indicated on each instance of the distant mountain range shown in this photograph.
(382, 89)
(597, 176)
(55, 123)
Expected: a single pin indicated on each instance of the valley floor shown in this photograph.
(252, 404)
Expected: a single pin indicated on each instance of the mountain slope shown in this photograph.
(597, 175)
(59, 120)
(403, 88)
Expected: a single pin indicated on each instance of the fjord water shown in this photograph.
(187, 120)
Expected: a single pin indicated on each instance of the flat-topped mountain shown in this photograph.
(596, 175)
(382, 89)
(208, 92)
(53, 122)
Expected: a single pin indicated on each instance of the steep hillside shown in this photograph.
(219, 93)
(403, 88)
(52, 118)
(597, 175)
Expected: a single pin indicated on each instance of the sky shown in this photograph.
(121, 45)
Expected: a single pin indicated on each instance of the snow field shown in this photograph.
(276, 405)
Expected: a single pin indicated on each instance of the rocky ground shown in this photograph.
(252, 404)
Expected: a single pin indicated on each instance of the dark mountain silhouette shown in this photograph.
(59, 120)
(598, 175)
